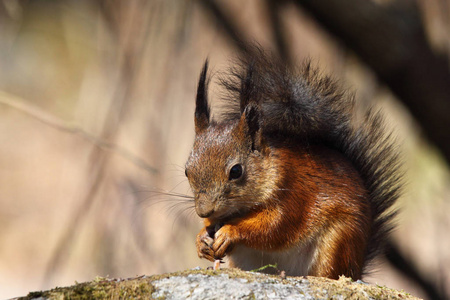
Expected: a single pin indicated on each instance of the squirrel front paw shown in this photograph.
(216, 247)
(224, 240)
(204, 244)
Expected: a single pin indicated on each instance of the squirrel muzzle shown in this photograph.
(203, 206)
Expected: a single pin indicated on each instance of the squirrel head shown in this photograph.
(226, 168)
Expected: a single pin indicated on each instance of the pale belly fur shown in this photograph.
(295, 261)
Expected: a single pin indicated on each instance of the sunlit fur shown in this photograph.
(316, 189)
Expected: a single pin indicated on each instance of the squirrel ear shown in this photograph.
(251, 120)
(201, 104)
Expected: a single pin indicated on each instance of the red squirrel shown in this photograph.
(284, 175)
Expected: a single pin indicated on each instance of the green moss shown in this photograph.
(275, 267)
(101, 288)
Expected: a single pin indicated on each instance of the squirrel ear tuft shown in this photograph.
(202, 110)
(247, 87)
(252, 118)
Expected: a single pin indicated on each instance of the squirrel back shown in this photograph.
(285, 176)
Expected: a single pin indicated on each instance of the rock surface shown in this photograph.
(221, 284)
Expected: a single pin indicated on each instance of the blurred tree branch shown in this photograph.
(408, 268)
(58, 124)
(99, 161)
(227, 24)
(278, 31)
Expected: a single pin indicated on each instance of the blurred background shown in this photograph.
(96, 122)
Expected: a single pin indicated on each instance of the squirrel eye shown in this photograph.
(236, 172)
(185, 172)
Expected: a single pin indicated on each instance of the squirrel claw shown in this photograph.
(204, 251)
(208, 241)
(204, 245)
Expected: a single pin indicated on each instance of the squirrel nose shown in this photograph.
(203, 207)
(204, 214)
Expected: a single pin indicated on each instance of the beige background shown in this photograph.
(96, 121)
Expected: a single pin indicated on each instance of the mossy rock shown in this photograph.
(220, 284)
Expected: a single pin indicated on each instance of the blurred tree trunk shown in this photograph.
(392, 42)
